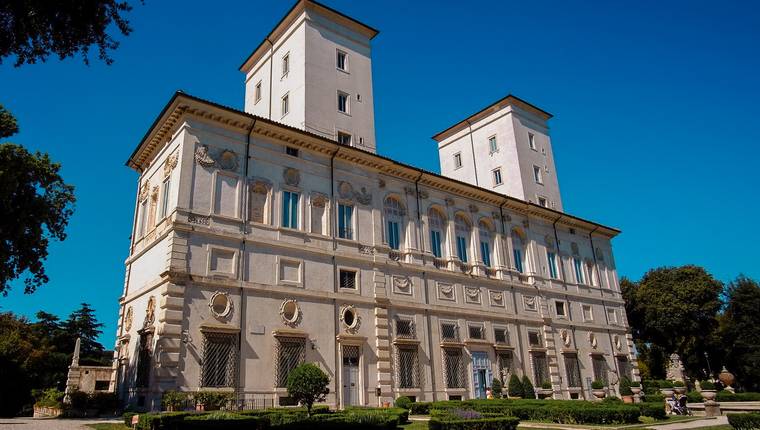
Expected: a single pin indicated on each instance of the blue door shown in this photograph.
(481, 374)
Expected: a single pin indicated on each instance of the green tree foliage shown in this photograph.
(740, 331)
(528, 391)
(32, 30)
(673, 309)
(35, 207)
(515, 388)
(496, 388)
(307, 384)
(36, 355)
(83, 324)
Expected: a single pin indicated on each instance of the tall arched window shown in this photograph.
(437, 224)
(486, 242)
(463, 234)
(394, 222)
(518, 250)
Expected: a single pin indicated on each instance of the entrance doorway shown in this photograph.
(350, 377)
(481, 374)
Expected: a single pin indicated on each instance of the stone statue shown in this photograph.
(675, 369)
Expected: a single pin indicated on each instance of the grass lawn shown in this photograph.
(415, 425)
(109, 426)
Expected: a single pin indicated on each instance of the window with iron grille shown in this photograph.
(500, 336)
(624, 367)
(290, 353)
(476, 332)
(454, 366)
(144, 357)
(219, 365)
(348, 279)
(405, 329)
(407, 367)
(449, 331)
(540, 368)
(573, 370)
(505, 366)
(534, 338)
(600, 368)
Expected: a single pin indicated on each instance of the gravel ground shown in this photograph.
(50, 424)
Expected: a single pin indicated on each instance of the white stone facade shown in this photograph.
(258, 245)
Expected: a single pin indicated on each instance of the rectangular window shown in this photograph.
(492, 145)
(435, 242)
(345, 221)
(454, 367)
(588, 314)
(285, 105)
(462, 248)
(534, 338)
(290, 353)
(342, 102)
(290, 209)
(405, 329)
(559, 307)
(102, 385)
(552, 259)
(341, 60)
(344, 138)
(573, 370)
(219, 360)
(348, 279)
(143, 218)
(457, 160)
(612, 316)
(578, 264)
(476, 332)
(165, 197)
(542, 202)
(537, 175)
(485, 252)
(625, 367)
(497, 177)
(540, 368)
(518, 260)
(144, 358)
(532, 141)
(257, 93)
(449, 332)
(393, 235)
(285, 64)
(600, 368)
(501, 336)
(293, 152)
(408, 367)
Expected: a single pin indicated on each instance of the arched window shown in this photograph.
(258, 202)
(318, 214)
(463, 233)
(437, 224)
(486, 242)
(518, 250)
(394, 221)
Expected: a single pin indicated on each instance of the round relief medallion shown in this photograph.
(349, 318)
(128, 319)
(290, 312)
(220, 304)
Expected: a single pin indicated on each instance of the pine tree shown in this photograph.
(83, 324)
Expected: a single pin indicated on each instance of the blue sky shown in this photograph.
(655, 129)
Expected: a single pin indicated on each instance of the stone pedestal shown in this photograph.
(712, 409)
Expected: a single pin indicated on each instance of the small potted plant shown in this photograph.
(666, 388)
(625, 390)
(679, 387)
(546, 390)
(597, 389)
(707, 390)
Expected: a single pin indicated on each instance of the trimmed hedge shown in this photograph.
(727, 396)
(744, 421)
(654, 410)
(502, 423)
(420, 408)
(224, 420)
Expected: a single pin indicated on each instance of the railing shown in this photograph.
(439, 263)
(490, 272)
(394, 255)
(465, 267)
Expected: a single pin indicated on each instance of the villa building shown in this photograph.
(276, 235)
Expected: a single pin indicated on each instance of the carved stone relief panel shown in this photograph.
(446, 292)
(402, 284)
(530, 303)
(496, 298)
(472, 295)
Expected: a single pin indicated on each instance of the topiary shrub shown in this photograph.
(678, 384)
(546, 385)
(744, 421)
(515, 388)
(496, 388)
(528, 391)
(665, 384)
(597, 384)
(403, 402)
(420, 408)
(707, 385)
(625, 387)
(174, 400)
(213, 400)
(307, 384)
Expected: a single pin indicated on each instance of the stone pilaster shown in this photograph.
(169, 335)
